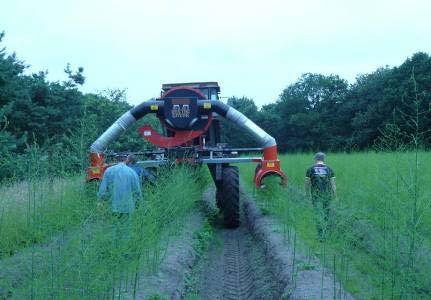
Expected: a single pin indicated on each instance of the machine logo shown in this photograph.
(180, 112)
(180, 108)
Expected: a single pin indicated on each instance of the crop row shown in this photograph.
(377, 238)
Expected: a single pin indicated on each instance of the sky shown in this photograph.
(251, 48)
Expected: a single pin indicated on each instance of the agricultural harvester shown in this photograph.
(190, 115)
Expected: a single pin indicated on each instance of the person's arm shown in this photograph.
(137, 187)
(148, 175)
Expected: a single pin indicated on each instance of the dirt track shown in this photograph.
(255, 262)
(235, 268)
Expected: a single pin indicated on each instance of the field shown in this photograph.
(56, 243)
(83, 88)
(378, 239)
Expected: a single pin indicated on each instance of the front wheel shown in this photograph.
(230, 194)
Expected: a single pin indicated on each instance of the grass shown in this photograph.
(65, 247)
(378, 243)
(33, 210)
(55, 242)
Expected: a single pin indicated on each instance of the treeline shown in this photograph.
(321, 112)
(317, 112)
(54, 119)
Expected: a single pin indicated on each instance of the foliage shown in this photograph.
(321, 112)
(75, 78)
(230, 132)
(75, 249)
(377, 241)
(317, 112)
(56, 116)
(309, 111)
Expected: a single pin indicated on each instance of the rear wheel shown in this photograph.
(219, 197)
(229, 194)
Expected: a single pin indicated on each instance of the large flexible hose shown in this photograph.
(129, 118)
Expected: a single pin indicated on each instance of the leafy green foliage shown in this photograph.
(377, 233)
(71, 248)
(318, 112)
(56, 116)
(75, 78)
(230, 132)
(321, 112)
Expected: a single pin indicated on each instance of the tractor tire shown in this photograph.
(230, 195)
(219, 197)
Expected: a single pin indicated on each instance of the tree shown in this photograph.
(378, 98)
(308, 111)
(75, 78)
(231, 133)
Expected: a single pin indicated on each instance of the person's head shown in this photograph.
(120, 158)
(319, 157)
(131, 159)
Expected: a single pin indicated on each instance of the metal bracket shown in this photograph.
(229, 160)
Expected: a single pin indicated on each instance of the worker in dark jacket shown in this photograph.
(320, 188)
(143, 174)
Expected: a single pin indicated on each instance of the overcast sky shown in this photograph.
(252, 48)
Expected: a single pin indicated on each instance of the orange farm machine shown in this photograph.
(190, 114)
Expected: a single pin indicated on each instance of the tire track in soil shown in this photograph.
(235, 269)
(254, 262)
(237, 280)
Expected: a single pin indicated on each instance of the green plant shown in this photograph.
(369, 242)
(201, 241)
(87, 253)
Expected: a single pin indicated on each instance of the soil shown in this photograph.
(168, 282)
(301, 273)
(255, 261)
(234, 266)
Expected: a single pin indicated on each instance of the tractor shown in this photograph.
(190, 114)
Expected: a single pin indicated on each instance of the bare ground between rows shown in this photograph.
(168, 281)
(301, 273)
(256, 261)
(235, 266)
